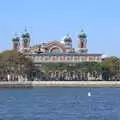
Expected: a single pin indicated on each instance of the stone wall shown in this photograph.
(29, 84)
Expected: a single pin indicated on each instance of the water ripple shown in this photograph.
(60, 104)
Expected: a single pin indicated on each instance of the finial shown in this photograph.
(82, 30)
(68, 34)
(25, 29)
(15, 34)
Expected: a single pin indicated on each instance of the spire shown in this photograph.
(82, 30)
(16, 42)
(25, 40)
(25, 29)
(15, 34)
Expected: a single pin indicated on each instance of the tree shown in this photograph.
(72, 71)
(111, 68)
(14, 64)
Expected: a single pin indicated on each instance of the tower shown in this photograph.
(25, 41)
(68, 42)
(82, 42)
(16, 43)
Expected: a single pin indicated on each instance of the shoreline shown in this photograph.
(82, 84)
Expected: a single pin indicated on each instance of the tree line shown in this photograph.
(16, 66)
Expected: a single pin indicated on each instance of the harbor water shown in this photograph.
(60, 103)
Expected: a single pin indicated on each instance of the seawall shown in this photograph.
(16, 84)
(28, 84)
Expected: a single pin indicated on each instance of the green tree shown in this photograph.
(15, 64)
(111, 68)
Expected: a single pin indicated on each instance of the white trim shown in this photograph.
(61, 50)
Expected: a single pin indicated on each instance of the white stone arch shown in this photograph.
(60, 49)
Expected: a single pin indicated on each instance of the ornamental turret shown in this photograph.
(16, 43)
(82, 42)
(68, 42)
(26, 41)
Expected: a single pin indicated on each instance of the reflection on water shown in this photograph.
(60, 104)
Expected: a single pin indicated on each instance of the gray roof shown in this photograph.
(64, 54)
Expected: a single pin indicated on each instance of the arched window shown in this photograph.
(82, 44)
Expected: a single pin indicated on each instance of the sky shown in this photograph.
(49, 20)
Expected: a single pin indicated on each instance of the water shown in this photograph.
(60, 104)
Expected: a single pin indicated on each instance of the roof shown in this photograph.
(82, 34)
(64, 54)
(26, 35)
(16, 39)
(67, 38)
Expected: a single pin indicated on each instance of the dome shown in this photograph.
(82, 34)
(16, 39)
(67, 38)
(26, 35)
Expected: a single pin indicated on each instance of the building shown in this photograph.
(56, 51)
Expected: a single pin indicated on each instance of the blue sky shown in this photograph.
(49, 20)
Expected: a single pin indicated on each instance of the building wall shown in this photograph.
(65, 58)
